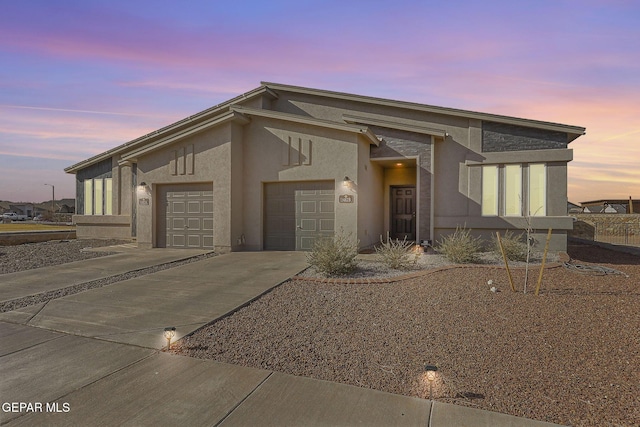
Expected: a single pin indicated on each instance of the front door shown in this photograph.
(403, 213)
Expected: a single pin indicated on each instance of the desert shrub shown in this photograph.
(334, 256)
(514, 246)
(397, 254)
(460, 247)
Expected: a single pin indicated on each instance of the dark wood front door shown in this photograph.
(403, 213)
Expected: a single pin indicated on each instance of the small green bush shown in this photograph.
(334, 256)
(397, 254)
(514, 246)
(460, 247)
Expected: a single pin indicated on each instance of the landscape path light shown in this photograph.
(431, 376)
(169, 333)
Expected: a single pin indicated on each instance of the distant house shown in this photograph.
(22, 209)
(279, 166)
(611, 206)
(572, 208)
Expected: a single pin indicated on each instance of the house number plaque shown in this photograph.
(345, 198)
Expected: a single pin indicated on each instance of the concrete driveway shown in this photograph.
(136, 311)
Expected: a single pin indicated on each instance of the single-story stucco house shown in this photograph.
(280, 165)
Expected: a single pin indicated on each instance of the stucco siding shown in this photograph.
(333, 155)
(370, 199)
(210, 154)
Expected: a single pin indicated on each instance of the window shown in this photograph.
(97, 192)
(88, 197)
(108, 196)
(98, 196)
(490, 190)
(537, 190)
(514, 190)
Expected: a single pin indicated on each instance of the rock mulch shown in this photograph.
(35, 255)
(568, 356)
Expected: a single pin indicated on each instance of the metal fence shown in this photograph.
(620, 234)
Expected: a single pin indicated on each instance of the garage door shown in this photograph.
(297, 213)
(186, 217)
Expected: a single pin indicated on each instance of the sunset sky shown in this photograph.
(80, 77)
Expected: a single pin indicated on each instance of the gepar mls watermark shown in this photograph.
(27, 407)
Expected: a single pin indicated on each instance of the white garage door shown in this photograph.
(186, 216)
(297, 213)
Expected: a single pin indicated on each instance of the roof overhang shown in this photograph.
(572, 132)
(201, 126)
(410, 127)
(294, 118)
(179, 126)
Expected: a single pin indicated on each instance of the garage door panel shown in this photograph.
(308, 206)
(327, 225)
(194, 207)
(188, 216)
(296, 213)
(327, 206)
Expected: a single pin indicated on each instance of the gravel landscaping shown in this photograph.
(568, 356)
(35, 255)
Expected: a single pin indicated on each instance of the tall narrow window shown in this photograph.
(537, 190)
(489, 190)
(108, 196)
(88, 197)
(512, 190)
(97, 193)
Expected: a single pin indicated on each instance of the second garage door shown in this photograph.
(297, 213)
(186, 216)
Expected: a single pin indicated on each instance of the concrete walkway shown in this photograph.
(92, 358)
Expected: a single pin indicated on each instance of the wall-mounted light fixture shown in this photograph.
(169, 333)
(144, 188)
(431, 376)
(347, 183)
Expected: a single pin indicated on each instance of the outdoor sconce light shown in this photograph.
(347, 183)
(143, 187)
(169, 333)
(431, 376)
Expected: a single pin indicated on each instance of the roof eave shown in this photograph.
(573, 131)
(203, 115)
(347, 127)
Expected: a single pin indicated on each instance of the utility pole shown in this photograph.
(53, 198)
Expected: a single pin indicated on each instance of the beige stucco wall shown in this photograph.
(212, 151)
(102, 226)
(370, 188)
(333, 156)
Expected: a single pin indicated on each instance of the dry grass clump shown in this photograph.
(397, 254)
(334, 256)
(460, 247)
(514, 246)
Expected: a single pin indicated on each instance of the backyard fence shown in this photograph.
(619, 229)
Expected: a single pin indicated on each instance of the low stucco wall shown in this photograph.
(22, 237)
(102, 226)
